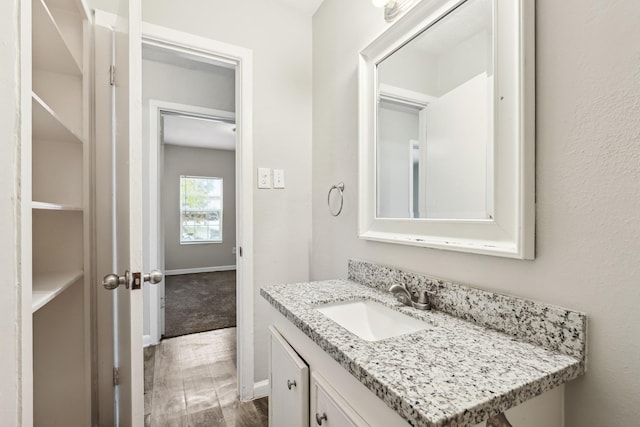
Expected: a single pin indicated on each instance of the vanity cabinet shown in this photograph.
(334, 392)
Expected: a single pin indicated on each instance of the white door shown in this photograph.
(122, 169)
(288, 384)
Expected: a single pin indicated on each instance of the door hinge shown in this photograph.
(240, 250)
(112, 75)
(116, 376)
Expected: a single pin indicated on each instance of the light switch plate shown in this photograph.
(264, 178)
(278, 178)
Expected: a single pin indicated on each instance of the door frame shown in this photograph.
(156, 222)
(242, 59)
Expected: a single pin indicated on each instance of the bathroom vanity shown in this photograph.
(473, 356)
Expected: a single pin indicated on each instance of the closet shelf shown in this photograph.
(54, 206)
(47, 286)
(71, 6)
(50, 51)
(47, 125)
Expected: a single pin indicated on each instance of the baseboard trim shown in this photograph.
(199, 270)
(261, 389)
(147, 340)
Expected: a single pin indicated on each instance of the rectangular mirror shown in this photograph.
(447, 130)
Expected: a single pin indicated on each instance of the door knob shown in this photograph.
(112, 281)
(153, 277)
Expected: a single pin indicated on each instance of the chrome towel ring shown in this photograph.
(340, 187)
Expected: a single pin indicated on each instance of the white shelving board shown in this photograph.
(50, 52)
(77, 6)
(47, 125)
(47, 286)
(54, 206)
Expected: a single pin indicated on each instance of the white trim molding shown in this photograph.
(199, 270)
(148, 340)
(261, 389)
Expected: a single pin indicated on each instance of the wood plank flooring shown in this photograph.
(191, 381)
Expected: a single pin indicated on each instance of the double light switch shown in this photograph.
(265, 178)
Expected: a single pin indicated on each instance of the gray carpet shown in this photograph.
(199, 302)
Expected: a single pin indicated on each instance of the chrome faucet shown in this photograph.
(402, 294)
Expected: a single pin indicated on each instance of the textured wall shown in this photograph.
(198, 162)
(587, 177)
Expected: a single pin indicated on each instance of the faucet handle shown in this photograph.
(423, 297)
(423, 302)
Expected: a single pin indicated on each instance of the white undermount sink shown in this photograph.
(371, 320)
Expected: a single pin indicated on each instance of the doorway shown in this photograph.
(183, 112)
(197, 213)
(213, 60)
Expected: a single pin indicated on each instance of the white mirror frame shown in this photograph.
(510, 233)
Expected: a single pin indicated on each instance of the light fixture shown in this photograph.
(393, 8)
(380, 3)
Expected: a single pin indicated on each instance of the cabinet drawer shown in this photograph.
(329, 409)
(288, 384)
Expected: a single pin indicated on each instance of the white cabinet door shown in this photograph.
(329, 409)
(288, 384)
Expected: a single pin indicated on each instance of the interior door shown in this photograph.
(118, 182)
(128, 189)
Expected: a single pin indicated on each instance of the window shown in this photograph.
(200, 209)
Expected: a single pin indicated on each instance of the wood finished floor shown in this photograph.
(191, 381)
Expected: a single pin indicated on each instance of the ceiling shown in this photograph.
(308, 7)
(187, 131)
(463, 22)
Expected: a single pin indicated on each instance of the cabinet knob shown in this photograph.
(291, 384)
(320, 418)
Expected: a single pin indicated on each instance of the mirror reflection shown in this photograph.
(434, 144)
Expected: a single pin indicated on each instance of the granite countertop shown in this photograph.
(456, 372)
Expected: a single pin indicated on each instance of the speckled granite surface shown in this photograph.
(554, 328)
(454, 373)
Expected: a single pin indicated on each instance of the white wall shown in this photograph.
(466, 60)
(198, 162)
(10, 244)
(588, 191)
(456, 159)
